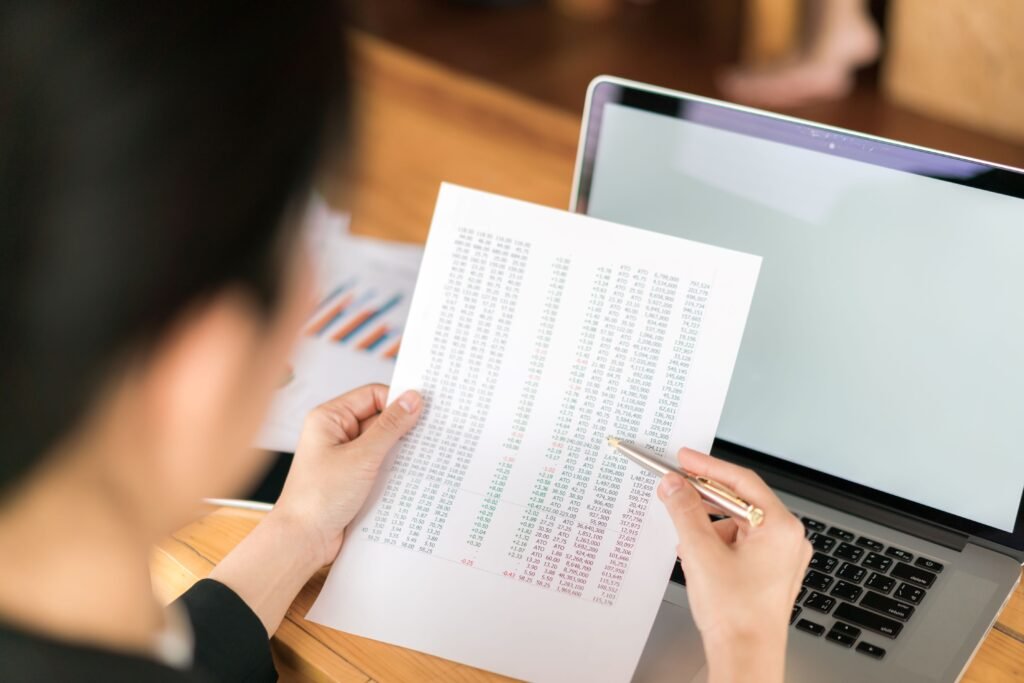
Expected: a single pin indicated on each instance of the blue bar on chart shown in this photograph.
(347, 331)
(376, 339)
(337, 312)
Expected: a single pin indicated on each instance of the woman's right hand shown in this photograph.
(741, 582)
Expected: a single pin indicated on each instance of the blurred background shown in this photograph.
(944, 74)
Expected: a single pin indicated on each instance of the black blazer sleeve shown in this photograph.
(231, 642)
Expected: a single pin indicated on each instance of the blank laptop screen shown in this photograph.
(885, 344)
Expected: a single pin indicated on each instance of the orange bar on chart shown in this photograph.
(372, 338)
(393, 349)
(351, 325)
(329, 316)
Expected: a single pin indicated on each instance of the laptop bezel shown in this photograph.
(883, 507)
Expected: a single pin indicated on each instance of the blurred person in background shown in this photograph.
(839, 37)
(836, 38)
(153, 158)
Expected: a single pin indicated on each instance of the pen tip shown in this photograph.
(612, 441)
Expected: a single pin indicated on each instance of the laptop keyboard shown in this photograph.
(856, 589)
(859, 587)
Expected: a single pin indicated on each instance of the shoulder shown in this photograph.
(30, 658)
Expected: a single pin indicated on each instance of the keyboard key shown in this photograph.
(882, 584)
(821, 543)
(851, 572)
(846, 629)
(869, 620)
(878, 562)
(820, 603)
(909, 593)
(899, 554)
(823, 563)
(886, 605)
(795, 613)
(813, 524)
(841, 534)
(847, 591)
(810, 627)
(870, 544)
(801, 594)
(870, 650)
(849, 552)
(840, 638)
(930, 565)
(817, 580)
(914, 575)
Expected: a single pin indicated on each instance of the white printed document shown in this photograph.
(504, 533)
(353, 335)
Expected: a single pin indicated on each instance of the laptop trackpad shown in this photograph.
(674, 650)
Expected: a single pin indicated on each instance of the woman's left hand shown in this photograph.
(343, 444)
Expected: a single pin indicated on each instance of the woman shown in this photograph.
(151, 159)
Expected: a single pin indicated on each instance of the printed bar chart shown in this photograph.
(331, 316)
(361, 318)
(378, 338)
(353, 334)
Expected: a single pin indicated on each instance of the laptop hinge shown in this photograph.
(871, 511)
(996, 547)
(844, 501)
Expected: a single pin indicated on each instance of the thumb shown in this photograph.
(392, 424)
(696, 534)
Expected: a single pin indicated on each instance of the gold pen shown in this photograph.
(717, 494)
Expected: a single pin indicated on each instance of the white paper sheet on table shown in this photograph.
(503, 532)
(352, 336)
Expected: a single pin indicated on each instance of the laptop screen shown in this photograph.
(885, 344)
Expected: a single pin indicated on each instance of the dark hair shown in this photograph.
(148, 152)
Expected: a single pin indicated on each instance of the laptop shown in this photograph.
(879, 385)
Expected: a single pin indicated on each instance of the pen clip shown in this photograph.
(722, 491)
(724, 498)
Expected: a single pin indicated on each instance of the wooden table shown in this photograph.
(419, 125)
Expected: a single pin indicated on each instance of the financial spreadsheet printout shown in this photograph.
(503, 532)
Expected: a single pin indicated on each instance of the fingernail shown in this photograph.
(670, 483)
(409, 401)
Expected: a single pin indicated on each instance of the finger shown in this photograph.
(339, 420)
(697, 537)
(362, 402)
(727, 529)
(365, 425)
(393, 423)
(744, 482)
